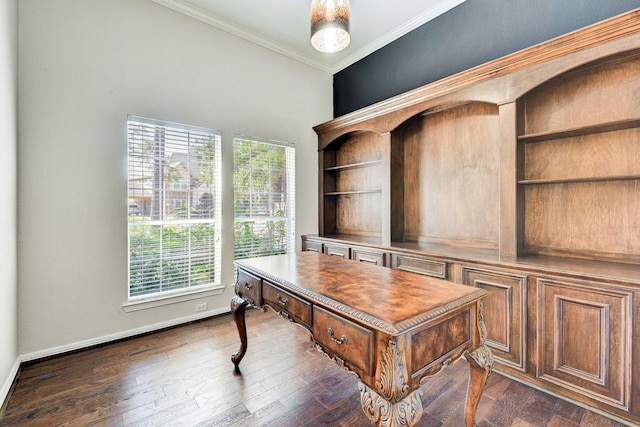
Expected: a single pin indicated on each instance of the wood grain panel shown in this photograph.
(431, 346)
(357, 147)
(607, 154)
(358, 214)
(586, 96)
(589, 219)
(362, 179)
(451, 175)
(585, 339)
(504, 313)
(581, 322)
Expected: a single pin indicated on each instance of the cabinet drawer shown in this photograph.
(427, 267)
(344, 339)
(286, 302)
(337, 250)
(369, 257)
(312, 245)
(249, 287)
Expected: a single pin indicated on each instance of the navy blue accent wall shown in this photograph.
(475, 32)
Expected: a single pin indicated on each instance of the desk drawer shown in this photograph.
(249, 287)
(427, 267)
(284, 301)
(344, 339)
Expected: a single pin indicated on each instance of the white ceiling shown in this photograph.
(283, 25)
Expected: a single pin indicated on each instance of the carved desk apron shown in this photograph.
(390, 328)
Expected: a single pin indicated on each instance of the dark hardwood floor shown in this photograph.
(184, 377)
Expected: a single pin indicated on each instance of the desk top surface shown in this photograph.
(388, 300)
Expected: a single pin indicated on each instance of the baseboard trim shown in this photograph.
(8, 385)
(12, 377)
(106, 339)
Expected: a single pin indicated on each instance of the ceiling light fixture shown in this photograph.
(330, 25)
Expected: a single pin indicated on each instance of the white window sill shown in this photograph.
(144, 303)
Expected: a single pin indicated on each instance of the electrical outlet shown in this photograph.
(201, 307)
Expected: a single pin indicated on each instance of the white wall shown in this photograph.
(83, 66)
(8, 194)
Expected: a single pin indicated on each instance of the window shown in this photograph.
(174, 207)
(264, 197)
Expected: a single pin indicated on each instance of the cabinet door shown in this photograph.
(584, 339)
(504, 312)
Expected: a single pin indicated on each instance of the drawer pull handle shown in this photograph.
(284, 302)
(248, 286)
(336, 254)
(369, 260)
(335, 340)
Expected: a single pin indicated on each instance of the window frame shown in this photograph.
(212, 218)
(289, 195)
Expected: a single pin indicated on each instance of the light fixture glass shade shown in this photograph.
(330, 25)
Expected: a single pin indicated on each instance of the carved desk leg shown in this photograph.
(480, 365)
(393, 404)
(238, 307)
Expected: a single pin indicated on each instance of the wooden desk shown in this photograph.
(390, 328)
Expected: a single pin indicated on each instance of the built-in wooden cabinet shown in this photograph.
(449, 176)
(585, 339)
(369, 256)
(419, 264)
(505, 312)
(581, 171)
(520, 176)
(334, 249)
(352, 183)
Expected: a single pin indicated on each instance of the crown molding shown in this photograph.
(242, 32)
(185, 8)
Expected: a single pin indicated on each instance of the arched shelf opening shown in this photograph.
(578, 139)
(351, 182)
(445, 176)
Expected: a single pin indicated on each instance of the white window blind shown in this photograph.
(264, 197)
(174, 207)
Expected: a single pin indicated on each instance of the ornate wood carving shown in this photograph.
(406, 412)
(393, 373)
(339, 361)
